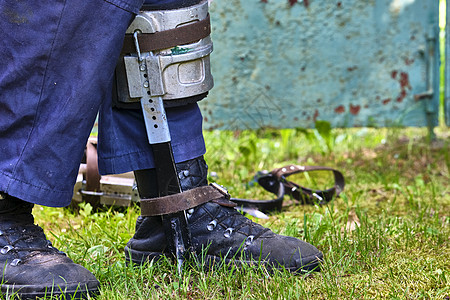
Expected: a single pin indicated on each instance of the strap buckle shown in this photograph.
(221, 190)
(267, 180)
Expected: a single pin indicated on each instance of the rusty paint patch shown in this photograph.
(340, 109)
(394, 74)
(292, 2)
(404, 80)
(354, 109)
(306, 3)
(408, 61)
(401, 96)
(339, 4)
(404, 84)
(264, 1)
(350, 69)
(316, 114)
(386, 101)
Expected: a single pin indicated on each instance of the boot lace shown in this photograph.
(24, 242)
(234, 222)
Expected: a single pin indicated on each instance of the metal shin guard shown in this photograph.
(178, 67)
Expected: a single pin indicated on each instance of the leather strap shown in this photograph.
(265, 205)
(169, 38)
(276, 183)
(183, 201)
(306, 195)
(93, 177)
(92, 174)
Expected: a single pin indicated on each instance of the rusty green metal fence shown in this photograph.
(289, 63)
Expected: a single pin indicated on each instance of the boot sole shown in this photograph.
(210, 262)
(33, 292)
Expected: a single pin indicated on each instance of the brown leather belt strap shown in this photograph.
(169, 38)
(282, 173)
(277, 183)
(179, 202)
(92, 175)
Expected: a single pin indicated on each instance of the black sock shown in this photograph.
(14, 206)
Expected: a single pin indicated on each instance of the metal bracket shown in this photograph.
(432, 79)
(149, 90)
(430, 61)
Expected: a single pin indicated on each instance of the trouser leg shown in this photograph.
(58, 59)
(123, 143)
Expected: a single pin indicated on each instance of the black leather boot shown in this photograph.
(225, 233)
(31, 266)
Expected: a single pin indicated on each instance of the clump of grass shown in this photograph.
(387, 236)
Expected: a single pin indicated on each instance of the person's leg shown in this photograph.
(223, 232)
(123, 146)
(58, 58)
(123, 143)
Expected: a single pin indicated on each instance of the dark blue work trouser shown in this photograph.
(57, 60)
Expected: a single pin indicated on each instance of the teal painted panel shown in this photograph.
(447, 65)
(288, 63)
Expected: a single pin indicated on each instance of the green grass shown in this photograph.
(387, 236)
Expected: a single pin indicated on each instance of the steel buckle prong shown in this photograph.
(221, 189)
(136, 44)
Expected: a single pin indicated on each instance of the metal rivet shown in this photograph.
(183, 174)
(6, 249)
(15, 262)
(228, 232)
(146, 84)
(249, 240)
(284, 170)
(1, 233)
(211, 225)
